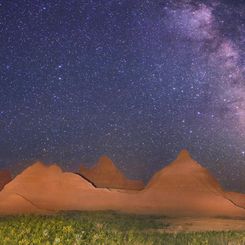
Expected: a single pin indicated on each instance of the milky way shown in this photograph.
(135, 80)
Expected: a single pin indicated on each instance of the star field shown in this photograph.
(135, 80)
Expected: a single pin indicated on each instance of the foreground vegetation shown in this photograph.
(102, 228)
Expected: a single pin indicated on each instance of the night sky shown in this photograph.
(137, 80)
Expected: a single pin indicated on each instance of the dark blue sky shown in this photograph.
(135, 80)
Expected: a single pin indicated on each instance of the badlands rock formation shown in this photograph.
(106, 175)
(48, 189)
(183, 188)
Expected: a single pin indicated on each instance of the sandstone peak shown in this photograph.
(184, 162)
(184, 154)
(105, 162)
(184, 173)
(106, 174)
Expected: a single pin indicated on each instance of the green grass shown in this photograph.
(102, 228)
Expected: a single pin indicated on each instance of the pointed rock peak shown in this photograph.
(184, 154)
(105, 174)
(185, 162)
(105, 158)
(105, 161)
(184, 173)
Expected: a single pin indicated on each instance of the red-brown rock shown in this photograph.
(106, 175)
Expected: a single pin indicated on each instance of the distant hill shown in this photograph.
(106, 175)
(186, 188)
(183, 188)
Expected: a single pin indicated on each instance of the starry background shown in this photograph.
(135, 80)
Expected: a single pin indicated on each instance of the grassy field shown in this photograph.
(102, 228)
